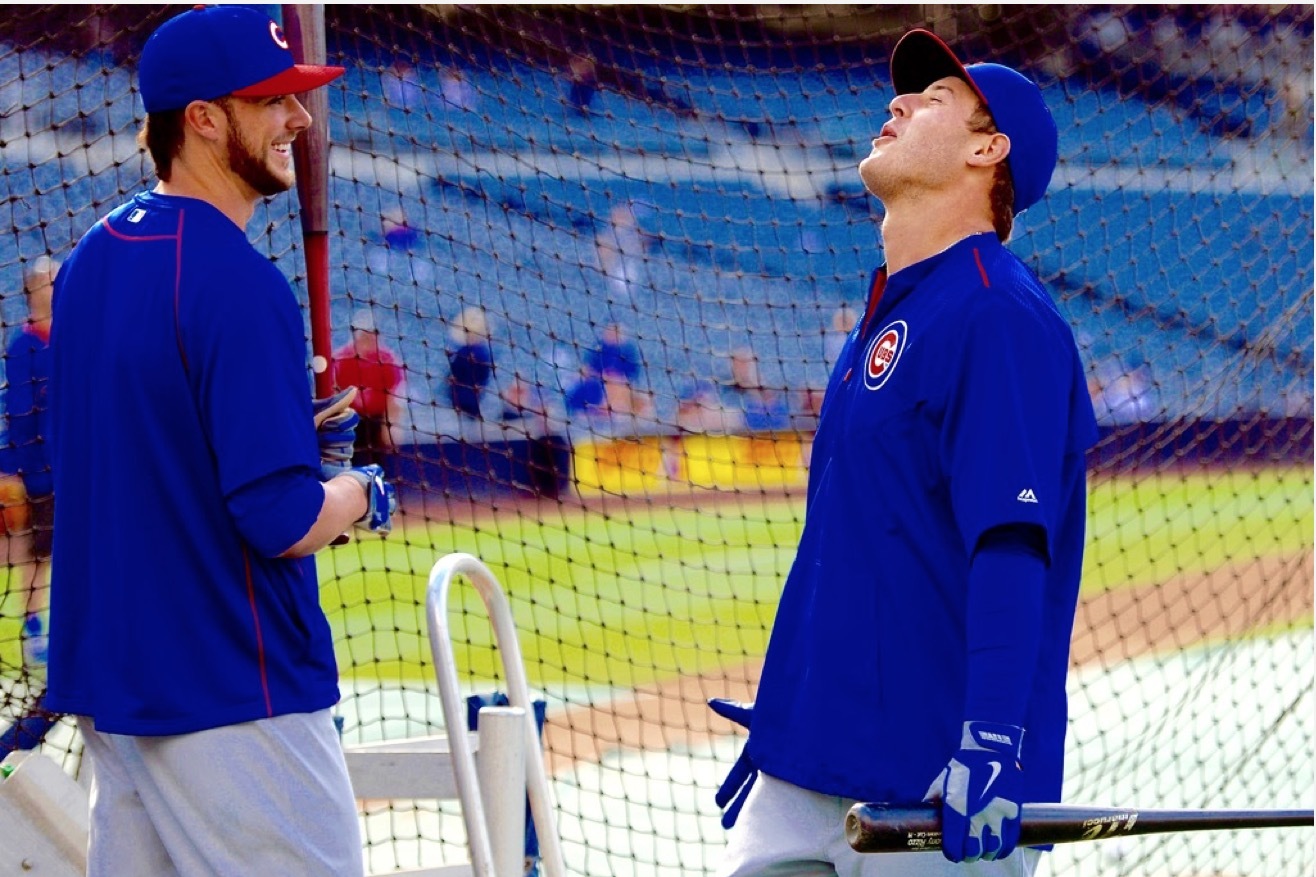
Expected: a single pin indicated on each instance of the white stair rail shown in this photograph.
(454, 713)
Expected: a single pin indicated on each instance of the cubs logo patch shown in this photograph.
(883, 354)
(276, 33)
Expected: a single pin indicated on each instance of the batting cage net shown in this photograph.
(609, 255)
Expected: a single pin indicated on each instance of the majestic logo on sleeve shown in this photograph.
(883, 354)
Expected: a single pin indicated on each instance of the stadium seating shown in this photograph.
(511, 192)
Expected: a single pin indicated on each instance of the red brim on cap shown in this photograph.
(920, 59)
(296, 79)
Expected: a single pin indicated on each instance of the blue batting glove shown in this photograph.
(335, 430)
(979, 792)
(735, 788)
(329, 406)
(381, 498)
(737, 711)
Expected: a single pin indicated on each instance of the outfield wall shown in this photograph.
(594, 466)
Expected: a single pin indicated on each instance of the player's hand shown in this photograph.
(735, 788)
(381, 499)
(737, 711)
(335, 429)
(979, 791)
(323, 409)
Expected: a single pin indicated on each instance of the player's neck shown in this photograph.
(217, 186)
(914, 231)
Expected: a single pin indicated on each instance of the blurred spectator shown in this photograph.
(374, 370)
(1295, 95)
(470, 362)
(804, 417)
(621, 247)
(523, 406)
(402, 88)
(748, 402)
(397, 256)
(398, 233)
(805, 421)
(616, 355)
(524, 409)
(766, 409)
(699, 410)
(1124, 392)
(586, 395)
(582, 84)
(455, 90)
(627, 410)
(744, 376)
(27, 365)
(1200, 59)
(844, 319)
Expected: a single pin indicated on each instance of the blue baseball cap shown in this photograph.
(1014, 101)
(214, 51)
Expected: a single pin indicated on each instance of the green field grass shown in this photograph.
(624, 599)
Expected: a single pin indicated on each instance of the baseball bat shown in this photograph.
(303, 24)
(893, 828)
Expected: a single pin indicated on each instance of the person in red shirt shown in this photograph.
(374, 370)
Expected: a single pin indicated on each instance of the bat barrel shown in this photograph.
(872, 828)
(304, 26)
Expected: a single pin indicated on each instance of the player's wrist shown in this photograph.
(380, 497)
(998, 737)
(364, 484)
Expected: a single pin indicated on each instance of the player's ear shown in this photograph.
(989, 150)
(206, 118)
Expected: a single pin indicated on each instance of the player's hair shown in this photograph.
(162, 137)
(1002, 192)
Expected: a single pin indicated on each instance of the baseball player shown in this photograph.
(921, 643)
(186, 632)
(27, 412)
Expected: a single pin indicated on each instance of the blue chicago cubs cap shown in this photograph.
(213, 51)
(1014, 100)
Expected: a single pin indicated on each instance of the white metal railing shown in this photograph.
(478, 822)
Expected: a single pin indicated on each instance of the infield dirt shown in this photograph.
(1270, 593)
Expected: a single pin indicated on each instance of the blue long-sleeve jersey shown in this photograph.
(185, 461)
(958, 405)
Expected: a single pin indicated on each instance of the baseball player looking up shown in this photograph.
(922, 640)
(185, 629)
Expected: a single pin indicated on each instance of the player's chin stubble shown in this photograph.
(869, 176)
(251, 169)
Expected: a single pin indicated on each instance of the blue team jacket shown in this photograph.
(958, 404)
(179, 384)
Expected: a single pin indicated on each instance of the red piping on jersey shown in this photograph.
(260, 640)
(177, 238)
(105, 221)
(875, 290)
(178, 285)
(874, 297)
(977, 258)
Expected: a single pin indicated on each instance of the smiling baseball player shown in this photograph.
(186, 629)
(921, 644)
